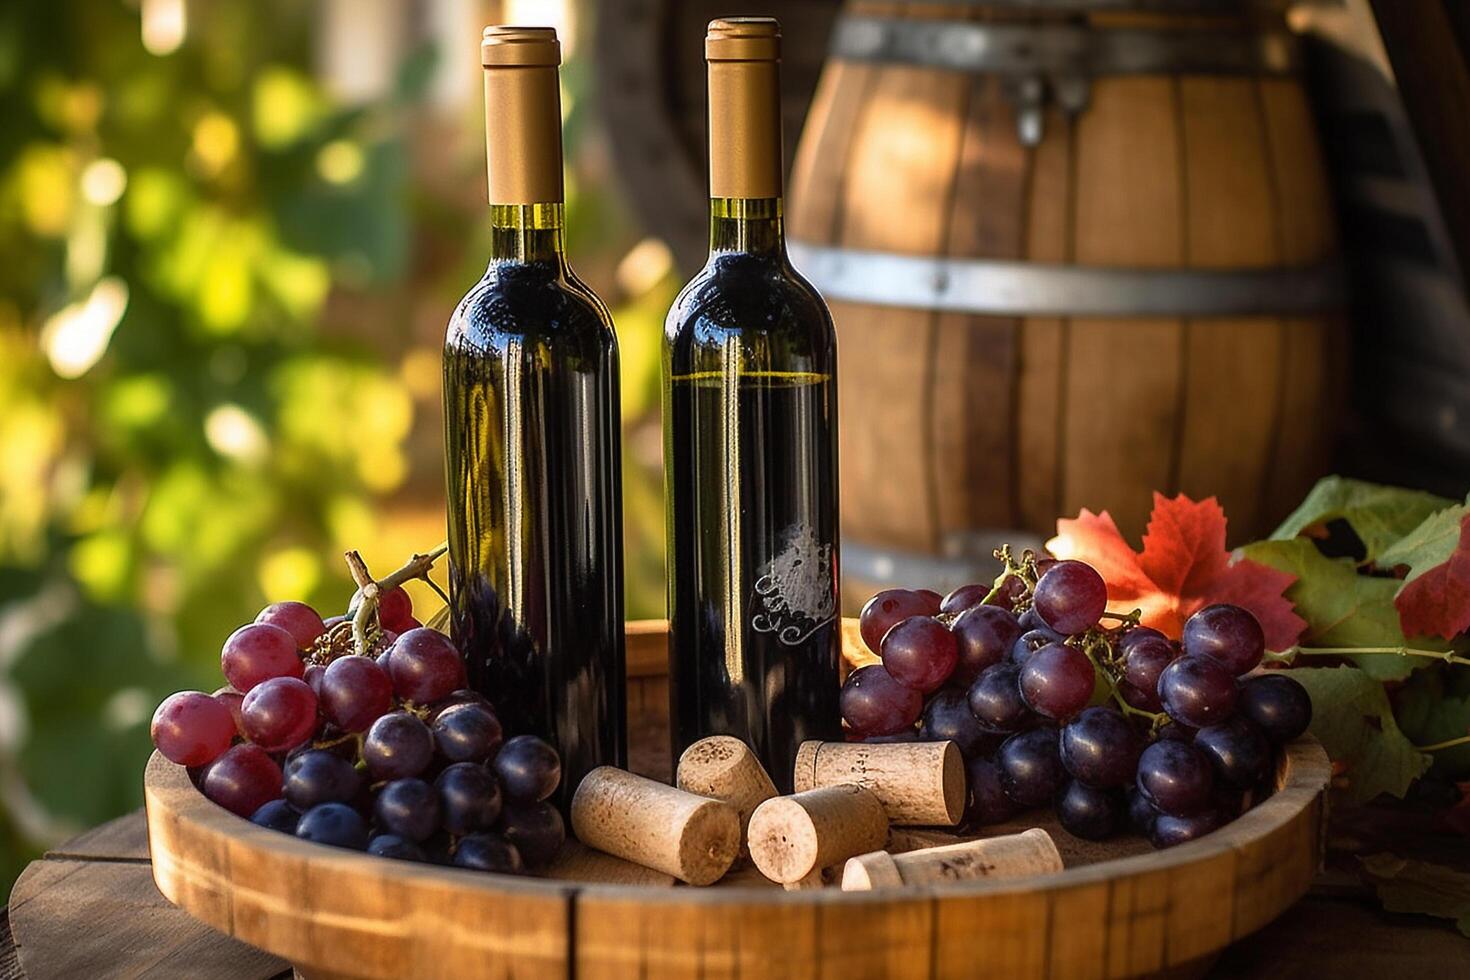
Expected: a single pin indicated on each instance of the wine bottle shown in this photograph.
(532, 443)
(750, 450)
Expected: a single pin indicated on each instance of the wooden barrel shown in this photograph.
(1074, 256)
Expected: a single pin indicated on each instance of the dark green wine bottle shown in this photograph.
(532, 443)
(750, 446)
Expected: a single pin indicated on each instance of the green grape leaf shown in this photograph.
(1353, 720)
(1420, 887)
(1379, 515)
(1429, 544)
(1430, 708)
(1341, 607)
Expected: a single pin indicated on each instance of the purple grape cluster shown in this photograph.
(388, 753)
(1114, 726)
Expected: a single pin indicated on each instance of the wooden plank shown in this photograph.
(975, 357)
(814, 213)
(1232, 365)
(9, 960)
(1123, 376)
(897, 198)
(1038, 415)
(122, 839)
(76, 919)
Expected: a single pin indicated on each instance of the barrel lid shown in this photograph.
(505, 45)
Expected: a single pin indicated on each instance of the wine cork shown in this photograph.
(793, 836)
(1014, 856)
(690, 837)
(920, 784)
(724, 768)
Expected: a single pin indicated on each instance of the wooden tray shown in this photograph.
(1119, 910)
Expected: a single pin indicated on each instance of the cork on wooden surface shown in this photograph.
(1031, 852)
(723, 767)
(920, 784)
(791, 837)
(691, 837)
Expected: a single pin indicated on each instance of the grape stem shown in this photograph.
(367, 607)
(1291, 653)
(1448, 744)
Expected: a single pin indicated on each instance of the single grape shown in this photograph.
(463, 696)
(1029, 621)
(947, 717)
(1240, 753)
(487, 852)
(355, 692)
(279, 713)
(313, 677)
(1227, 633)
(276, 815)
(1198, 691)
(995, 699)
(889, 607)
(192, 728)
(331, 621)
(1169, 829)
(1100, 748)
(258, 652)
(1144, 659)
(242, 780)
(873, 703)
(964, 597)
(1031, 641)
(528, 769)
(985, 635)
(1057, 681)
(1137, 634)
(232, 699)
(296, 618)
(383, 659)
(1276, 704)
(1070, 597)
(920, 652)
(316, 776)
(535, 830)
(1031, 770)
(467, 732)
(425, 666)
(336, 824)
(393, 846)
(397, 746)
(930, 595)
(1090, 813)
(1141, 813)
(395, 609)
(988, 802)
(1175, 777)
(1143, 700)
(469, 798)
(408, 808)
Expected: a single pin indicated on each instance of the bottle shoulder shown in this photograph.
(745, 295)
(531, 302)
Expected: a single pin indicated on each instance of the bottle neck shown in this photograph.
(746, 225)
(528, 234)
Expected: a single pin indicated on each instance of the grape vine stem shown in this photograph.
(1291, 653)
(1447, 744)
(367, 607)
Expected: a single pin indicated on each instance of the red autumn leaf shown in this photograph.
(1183, 567)
(1437, 602)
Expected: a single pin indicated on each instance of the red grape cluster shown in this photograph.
(1111, 725)
(386, 753)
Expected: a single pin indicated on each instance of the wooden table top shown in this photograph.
(89, 909)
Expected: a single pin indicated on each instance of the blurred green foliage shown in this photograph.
(183, 440)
